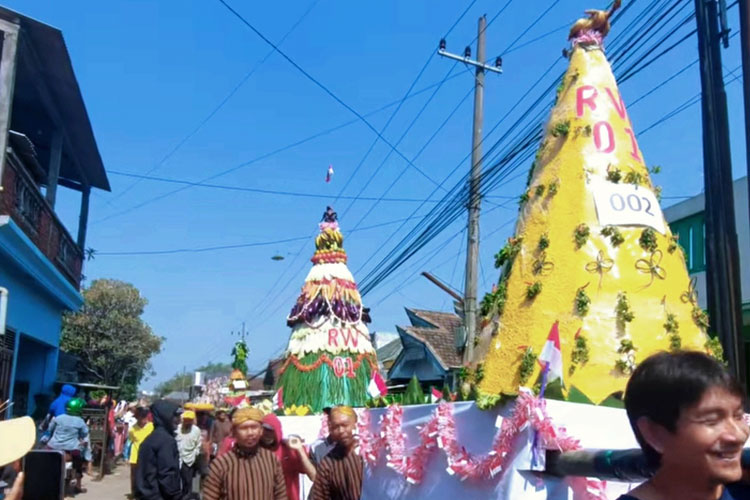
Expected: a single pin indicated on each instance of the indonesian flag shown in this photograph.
(551, 357)
(376, 388)
(278, 399)
(329, 173)
(436, 395)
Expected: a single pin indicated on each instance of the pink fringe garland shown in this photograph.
(440, 432)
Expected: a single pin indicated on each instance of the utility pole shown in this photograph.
(242, 333)
(472, 240)
(722, 255)
(184, 378)
(745, 44)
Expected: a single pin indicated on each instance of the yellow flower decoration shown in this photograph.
(299, 411)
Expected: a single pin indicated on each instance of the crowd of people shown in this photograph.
(244, 455)
(686, 411)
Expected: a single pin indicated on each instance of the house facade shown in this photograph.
(687, 219)
(428, 349)
(46, 144)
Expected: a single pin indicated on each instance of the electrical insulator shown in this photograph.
(499, 62)
(442, 44)
(467, 52)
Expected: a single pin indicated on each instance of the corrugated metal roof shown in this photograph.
(43, 44)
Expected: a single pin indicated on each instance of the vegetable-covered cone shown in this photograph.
(330, 359)
(591, 251)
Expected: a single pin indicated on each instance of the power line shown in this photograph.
(540, 37)
(688, 104)
(517, 164)
(241, 245)
(266, 155)
(398, 142)
(393, 148)
(435, 133)
(429, 258)
(517, 153)
(227, 187)
(528, 28)
(442, 215)
(414, 82)
(675, 75)
(362, 160)
(220, 105)
(414, 158)
(466, 157)
(325, 89)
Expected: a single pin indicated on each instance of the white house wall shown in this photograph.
(697, 204)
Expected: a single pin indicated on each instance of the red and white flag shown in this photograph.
(278, 399)
(551, 355)
(435, 396)
(329, 173)
(376, 388)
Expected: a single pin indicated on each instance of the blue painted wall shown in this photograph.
(38, 297)
(37, 366)
(31, 310)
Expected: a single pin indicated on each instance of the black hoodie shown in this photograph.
(158, 472)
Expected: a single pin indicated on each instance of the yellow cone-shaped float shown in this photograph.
(591, 250)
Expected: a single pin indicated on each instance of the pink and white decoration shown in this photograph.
(440, 433)
(447, 451)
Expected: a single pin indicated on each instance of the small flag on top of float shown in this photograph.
(278, 399)
(376, 388)
(551, 356)
(435, 395)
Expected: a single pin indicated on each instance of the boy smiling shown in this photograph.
(687, 414)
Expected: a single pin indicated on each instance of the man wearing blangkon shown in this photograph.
(247, 471)
(339, 474)
(687, 414)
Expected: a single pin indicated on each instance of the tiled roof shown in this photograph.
(442, 320)
(440, 339)
(390, 351)
(441, 343)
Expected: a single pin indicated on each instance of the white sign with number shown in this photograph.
(627, 205)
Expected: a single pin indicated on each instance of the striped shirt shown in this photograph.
(338, 477)
(241, 475)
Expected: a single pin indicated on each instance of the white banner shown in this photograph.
(476, 430)
(627, 205)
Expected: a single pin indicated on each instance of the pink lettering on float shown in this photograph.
(338, 366)
(350, 336)
(585, 95)
(332, 334)
(633, 145)
(604, 137)
(617, 103)
(343, 366)
(349, 364)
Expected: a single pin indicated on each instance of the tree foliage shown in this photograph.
(109, 336)
(414, 394)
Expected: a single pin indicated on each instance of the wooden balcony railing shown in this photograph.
(22, 200)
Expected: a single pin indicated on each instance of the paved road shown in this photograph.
(115, 486)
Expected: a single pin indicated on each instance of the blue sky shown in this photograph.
(150, 72)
